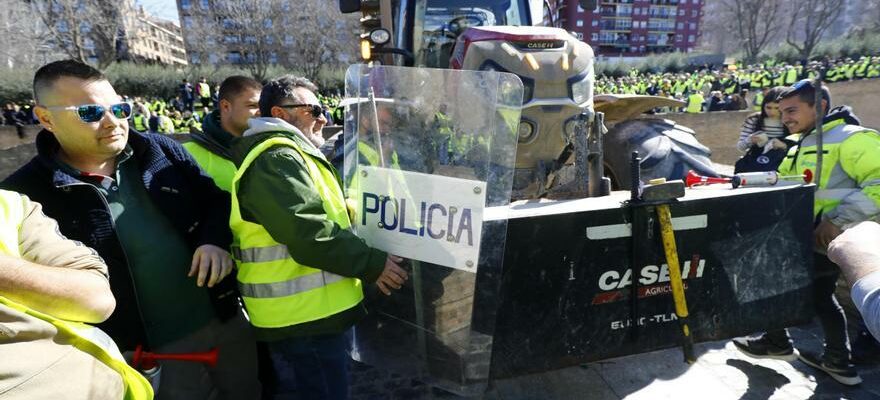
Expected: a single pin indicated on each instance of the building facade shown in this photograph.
(153, 40)
(636, 27)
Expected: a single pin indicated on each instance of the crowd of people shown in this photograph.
(732, 87)
(183, 113)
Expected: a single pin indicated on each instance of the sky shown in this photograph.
(165, 9)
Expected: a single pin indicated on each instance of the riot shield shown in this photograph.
(428, 169)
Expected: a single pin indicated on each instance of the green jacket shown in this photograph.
(277, 193)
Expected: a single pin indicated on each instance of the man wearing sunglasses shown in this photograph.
(300, 266)
(848, 193)
(159, 222)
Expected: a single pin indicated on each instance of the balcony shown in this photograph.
(616, 14)
(613, 43)
(615, 27)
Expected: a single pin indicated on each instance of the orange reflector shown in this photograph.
(565, 65)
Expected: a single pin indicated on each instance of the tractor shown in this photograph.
(570, 268)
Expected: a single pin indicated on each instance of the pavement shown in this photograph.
(720, 373)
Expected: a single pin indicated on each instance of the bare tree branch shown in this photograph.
(808, 23)
(754, 23)
(84, 28)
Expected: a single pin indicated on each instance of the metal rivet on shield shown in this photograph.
(469, 264)
(381, 225)
(363, 173)
(450, 238)
(477, 190)
(453, 210)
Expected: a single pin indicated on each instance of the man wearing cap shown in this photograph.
(848, 193)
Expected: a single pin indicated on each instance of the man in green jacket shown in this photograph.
(300, 266)
(239, 98)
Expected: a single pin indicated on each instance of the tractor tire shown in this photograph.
(667, 150)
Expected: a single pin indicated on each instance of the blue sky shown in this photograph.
(165, 9)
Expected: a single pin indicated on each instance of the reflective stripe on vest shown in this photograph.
(834, 184)
(81, 336)
(278, 291)
(220, 169)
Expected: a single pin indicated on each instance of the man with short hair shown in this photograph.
(239, 101)
(294, 246)
(848, 193)
(152, 214)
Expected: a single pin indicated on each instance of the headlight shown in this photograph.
(582, 90)
(380, 36)
(526, 131)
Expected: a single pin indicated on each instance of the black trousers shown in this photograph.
(828, 310)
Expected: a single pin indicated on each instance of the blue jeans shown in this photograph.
(311, 367)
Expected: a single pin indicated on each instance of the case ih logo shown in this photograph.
(654, 281)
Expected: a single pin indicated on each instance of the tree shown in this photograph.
(308, 36)
(808, 23)
(754, 23)
(23, 39)
(84, 29)
(249, 29)
(331, 38)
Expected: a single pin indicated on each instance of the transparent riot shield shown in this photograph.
(428, 169)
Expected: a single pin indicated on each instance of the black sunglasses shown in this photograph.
(95, 112)
(316, 110)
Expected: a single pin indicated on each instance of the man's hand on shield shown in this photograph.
(393, 277)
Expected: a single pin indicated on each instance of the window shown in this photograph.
(580, 22)
(213, 58)
(679, 37)
(691, 38)
(187, 22)
(267, 23)
(273, 58)
(681, 12)
(696, 1)
(233, 57)
(694, 13)
(594, 37)
(637, 11)
(185, 5)
(204, 4)
(679, 25)
(693, 26)
(288, 40)
(231, 39)
(194, 58)
(580, 9)
(595, 22)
